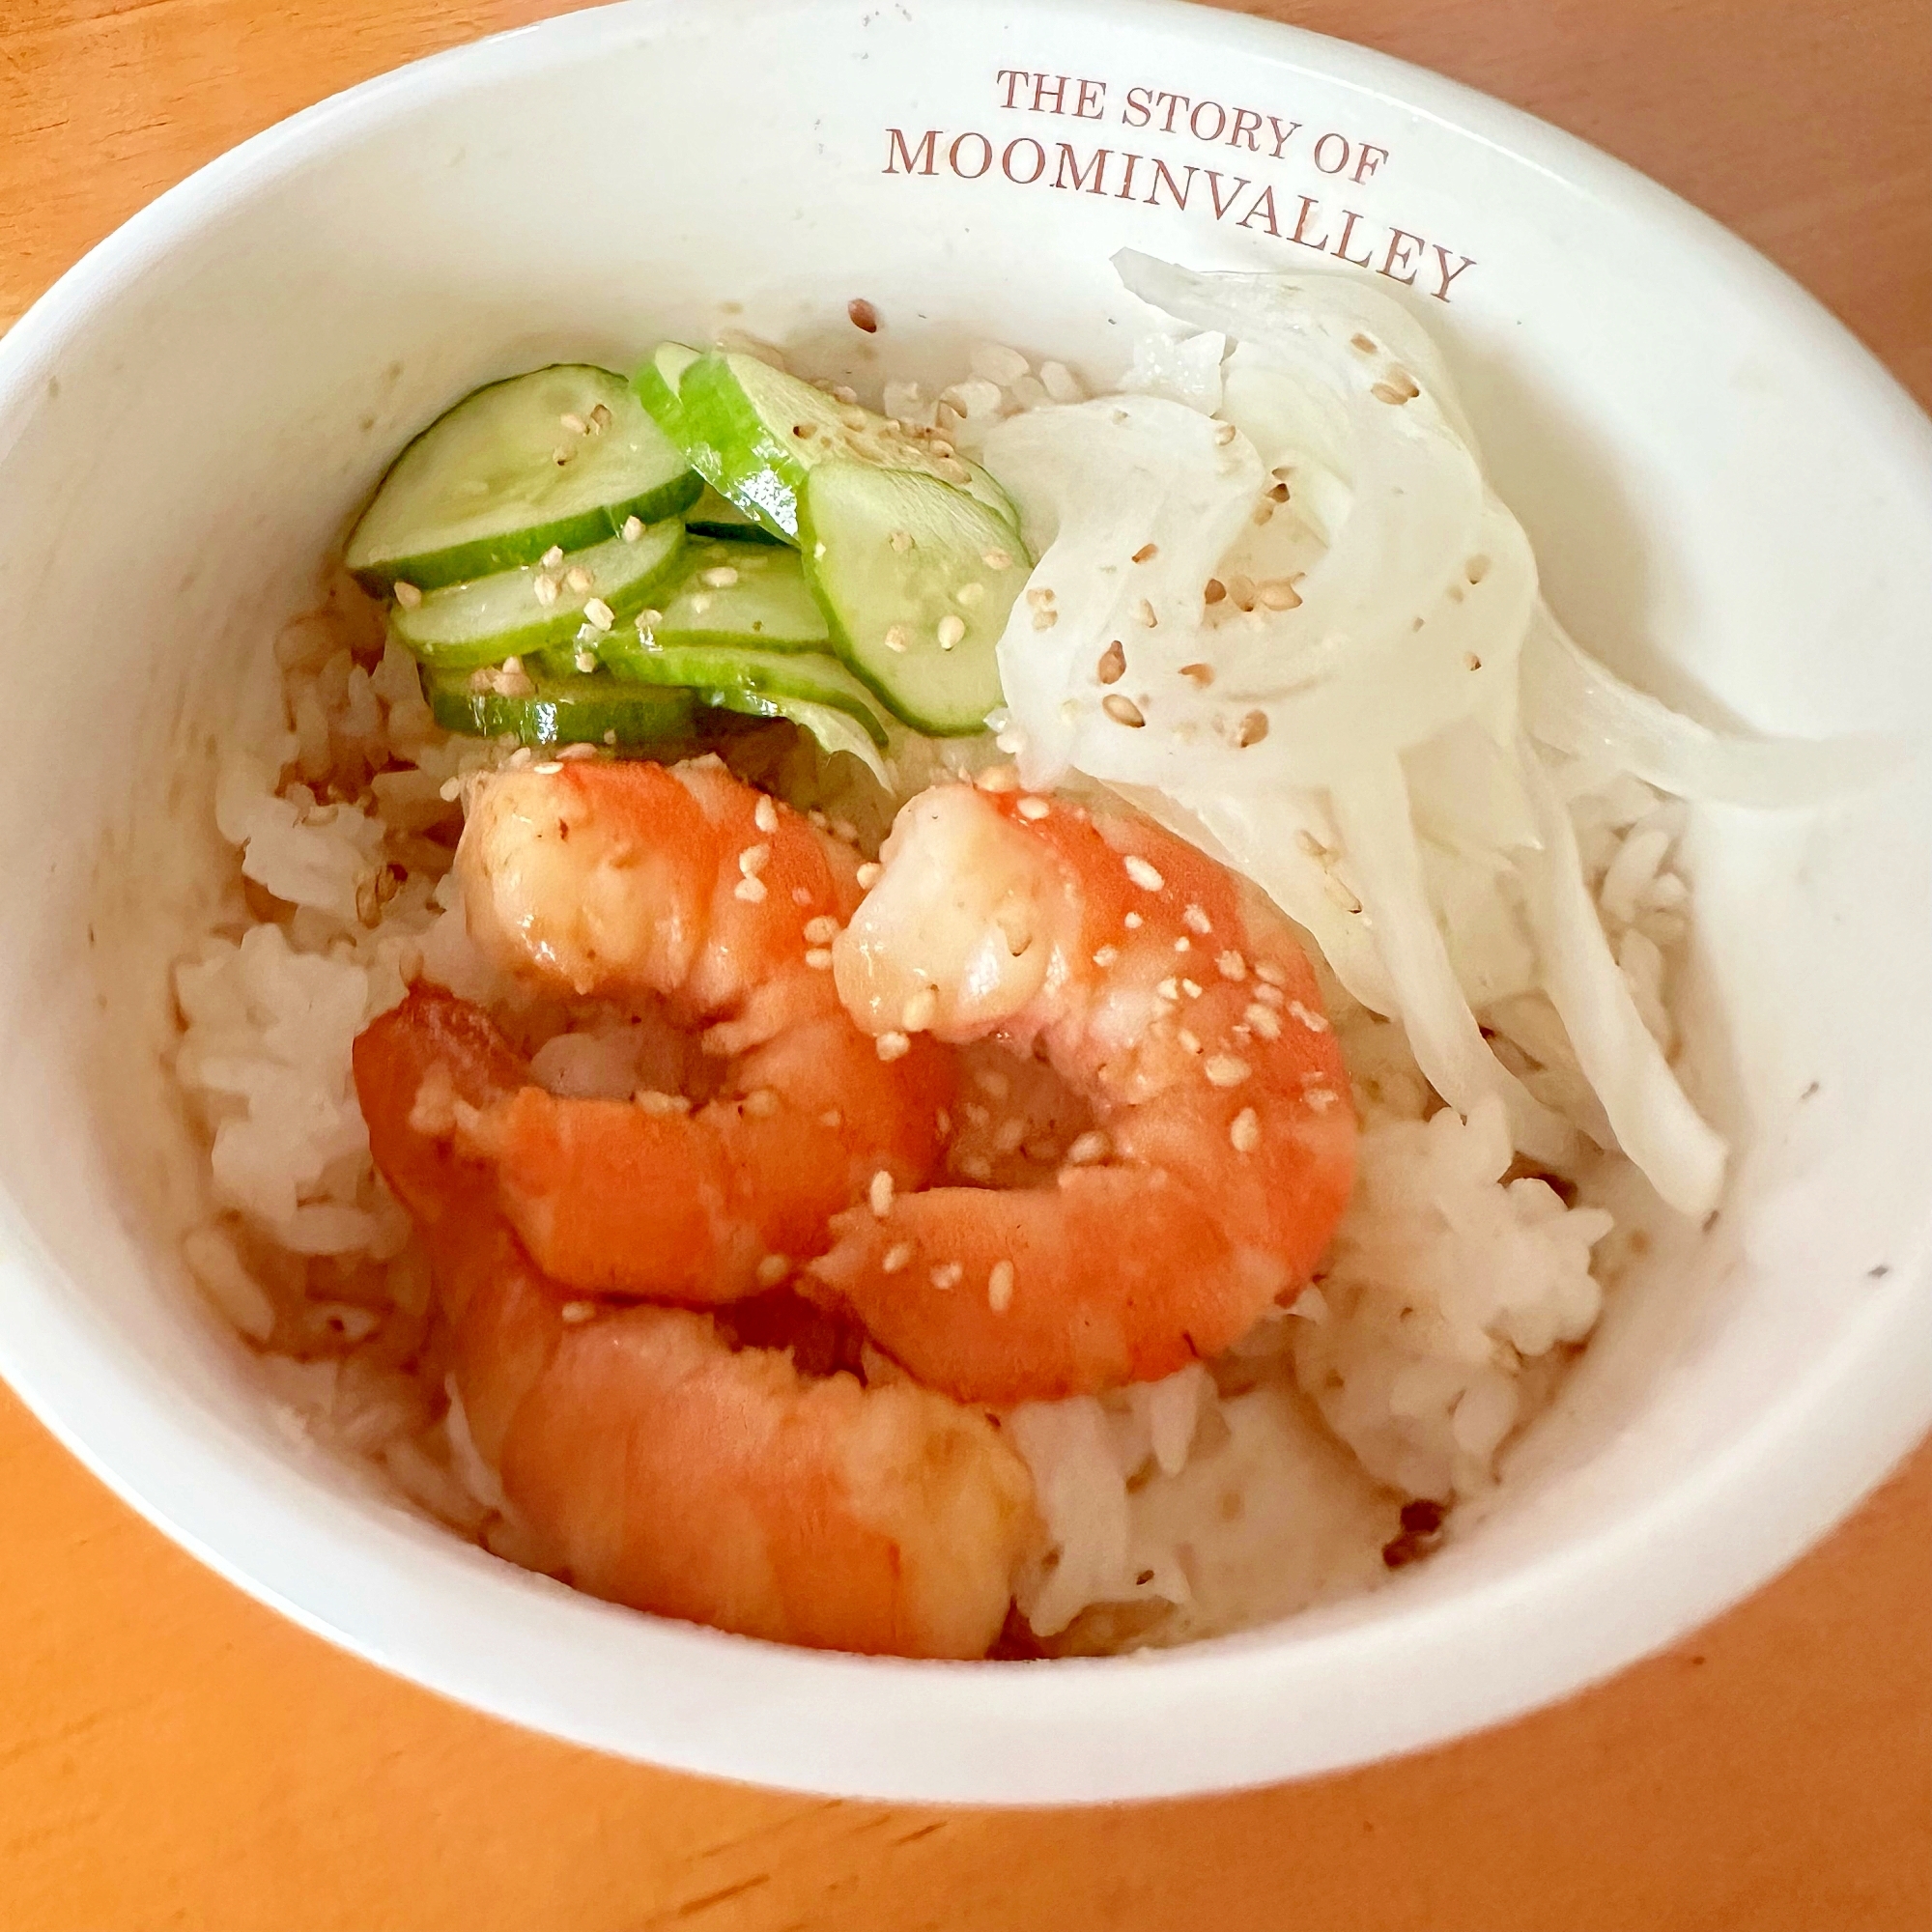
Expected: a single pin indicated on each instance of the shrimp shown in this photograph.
(636, 882)
(1176, 1006)
(651, 1462)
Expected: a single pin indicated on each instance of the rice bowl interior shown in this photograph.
(1640, 479)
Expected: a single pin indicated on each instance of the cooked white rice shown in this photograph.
(1456, 1292)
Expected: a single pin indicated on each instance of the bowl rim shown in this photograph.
(1232, 1712)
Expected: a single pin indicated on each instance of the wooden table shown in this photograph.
(173, 1755)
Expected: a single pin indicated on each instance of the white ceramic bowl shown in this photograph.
(1723, 490)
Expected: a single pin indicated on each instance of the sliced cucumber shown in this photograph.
(755, 432)
(716, 516)
(656, 385)
(762, 684)
(560, 457)
(570, 710)
(501, 616)
(916, 580)
(752, 595)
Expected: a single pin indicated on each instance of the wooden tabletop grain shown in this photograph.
(173, 1755)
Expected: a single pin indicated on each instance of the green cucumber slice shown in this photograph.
(716, 516)
(656, 383)
(893, 558)
(762, 684)
(481, 491)
(755, 432)
(500, 617)
(572, 710)
(751, 595)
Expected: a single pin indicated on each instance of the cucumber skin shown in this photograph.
(574, 710)
(516, 549)
(743, 687)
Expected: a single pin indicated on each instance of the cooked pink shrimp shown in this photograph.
(655, 1464)
(640, 883)
(1177, 1007)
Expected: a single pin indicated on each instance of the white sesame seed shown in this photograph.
(1190, 988)
(1011, 1134)
(1225, 434)
(512, 666)
(1232, 965)
(559, 457)
(1044, 620)
(1252, 729)
(801, 896)
(1200, 675)
(548, 770)
(1321, 1098)
(610, 736)
(997, 559)
(818, 958)
(1112, 663)
(869, 874)
(976, 1167)
(997, 778)
(761, 1103)
(947, 1275)
(880, 1194)
(1105, 955)
(970, 594)
(754, 859)
(1168, 989)
(1087, 1148)
(1244, 1131)
(576, 1313)
(599, 613)
(901, 541)
(573, 422)
(843, 828)
(578, 579)
(700, 602)
(650, 1101)
(1278, 593)
(1267, 970)
(895, 1257)
(897, 637)
(822, 930)
(751, 889)
(990, 1080)
(765, 814)
(1144, 614)
(1183, 944)
(408, 595)
(920, 1010)
(1035, 808)
(721, 579)
(1271, 996)
(1196, 920)
(1123, 710)
(1222, 1070)
(1143, 874)
(893, 1045)
(1314, 1022)
(1264, 1020)
(1190, 1043)
(586, 660)
(1000, 1287)
(554, 555)
(1041, 596)
(772, 1270)
(633, 528)
(951, 630)
(1132, 922)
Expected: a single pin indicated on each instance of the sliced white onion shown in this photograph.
(1372, 812)
(1652, 1117)
(1576, 705)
